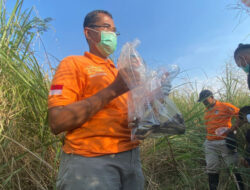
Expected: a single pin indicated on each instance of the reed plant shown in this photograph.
(27, 148)
(178, 162)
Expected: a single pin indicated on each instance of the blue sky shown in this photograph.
(197, 35)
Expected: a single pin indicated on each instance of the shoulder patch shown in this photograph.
(56, 90)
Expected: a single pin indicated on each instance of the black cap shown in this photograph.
(204, 94)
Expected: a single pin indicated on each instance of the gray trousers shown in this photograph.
(120, 171)
(217, 153)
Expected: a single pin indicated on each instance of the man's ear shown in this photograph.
(86, 33)
(90, 36)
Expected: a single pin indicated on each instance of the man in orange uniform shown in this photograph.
(88, 101)
(218, 116)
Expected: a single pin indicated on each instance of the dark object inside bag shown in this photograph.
(171, 127)
(231, 141)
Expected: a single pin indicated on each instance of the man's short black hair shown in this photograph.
(240, 48)
(92, 17)
(243, 112)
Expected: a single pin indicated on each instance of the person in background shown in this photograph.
(88, 101)
(244, 116)
(242, 59)
(218, 115)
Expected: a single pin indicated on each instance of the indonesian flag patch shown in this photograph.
(56, 90)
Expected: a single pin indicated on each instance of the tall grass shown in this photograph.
(29, 152)
(178, 162)
(26, 152)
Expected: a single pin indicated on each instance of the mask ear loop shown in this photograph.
(94, 31)
(244, 60)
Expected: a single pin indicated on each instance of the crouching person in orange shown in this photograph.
(88, 101)
(218, 116)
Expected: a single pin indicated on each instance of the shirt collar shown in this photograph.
(98, 60)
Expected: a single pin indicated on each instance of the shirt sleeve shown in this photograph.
(232, 110)
(65, 88)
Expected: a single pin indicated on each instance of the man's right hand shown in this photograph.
(124, 80)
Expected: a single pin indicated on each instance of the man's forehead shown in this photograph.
(244, 52)
(104, 19)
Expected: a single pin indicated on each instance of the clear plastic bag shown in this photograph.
(148, 103)
(246, 2)
(220, 131)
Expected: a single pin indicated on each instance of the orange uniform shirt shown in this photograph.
(219, 116)
(107, 132)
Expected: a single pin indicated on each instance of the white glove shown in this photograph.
(166, 87)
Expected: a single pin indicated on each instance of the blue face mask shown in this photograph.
(246, 68)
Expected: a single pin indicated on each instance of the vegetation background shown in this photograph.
(29, 152)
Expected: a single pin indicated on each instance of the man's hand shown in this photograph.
(165, 84)
(226, 132)
(237, 124)
(126, 80)
(166, 88)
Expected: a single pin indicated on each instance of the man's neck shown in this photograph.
(97, 53)
(210, 106)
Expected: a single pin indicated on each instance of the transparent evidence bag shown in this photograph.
(150, 109)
